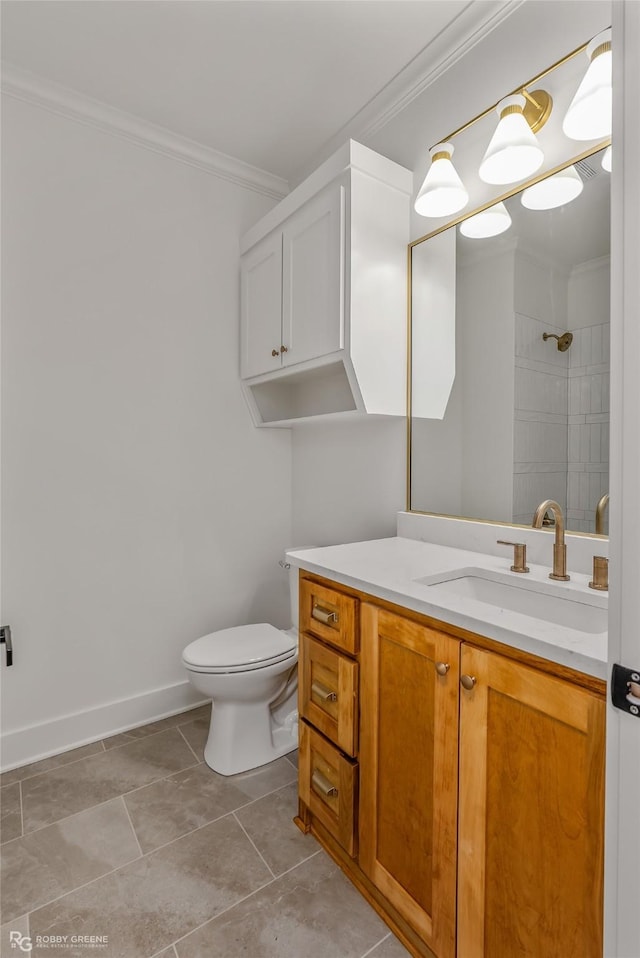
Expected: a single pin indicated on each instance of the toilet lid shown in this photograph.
(239, 649)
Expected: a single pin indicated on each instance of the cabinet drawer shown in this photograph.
(328, 784)
(330, 615)
(329, 693)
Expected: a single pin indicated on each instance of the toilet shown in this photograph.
(250, 673)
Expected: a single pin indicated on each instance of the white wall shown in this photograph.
(348, 480)
(141, 508)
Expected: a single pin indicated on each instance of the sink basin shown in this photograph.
(570, 610)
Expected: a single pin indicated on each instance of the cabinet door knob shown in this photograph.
(275, 352)
(467, 682)
(442, 668)
(284, 349)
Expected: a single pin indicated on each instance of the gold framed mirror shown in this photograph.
(509, 350)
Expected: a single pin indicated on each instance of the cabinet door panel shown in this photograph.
(261, 307)
(313, 278)
(408, 767)
(531, 814)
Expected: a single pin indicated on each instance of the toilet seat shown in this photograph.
(242, 648)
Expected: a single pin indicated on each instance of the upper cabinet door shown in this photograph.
(261, 307)
(530, 826)
(313, 278)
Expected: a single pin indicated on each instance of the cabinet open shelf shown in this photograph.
(302, 394)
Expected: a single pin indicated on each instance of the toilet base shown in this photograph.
(240, 740)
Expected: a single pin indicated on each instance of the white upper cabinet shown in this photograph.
(313, 278)
(323, 294)
(261, 307)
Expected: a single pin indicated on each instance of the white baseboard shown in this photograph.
(35, 742)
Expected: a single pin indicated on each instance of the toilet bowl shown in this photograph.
(250, 674)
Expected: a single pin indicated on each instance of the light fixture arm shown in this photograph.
(530, 83)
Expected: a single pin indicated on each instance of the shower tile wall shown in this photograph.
(540, 418)
(588, 458)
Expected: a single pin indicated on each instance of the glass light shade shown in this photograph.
(490, 222)
(555, 191)
(606, 160)
(589, 114)
(442, 192)
(513, 153)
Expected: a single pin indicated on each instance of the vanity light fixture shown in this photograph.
(489, 222)
(514, 152)
(606, 160)
(553, 191)
(589, 114)
(443, 192)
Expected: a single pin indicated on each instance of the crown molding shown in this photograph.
(475, 22)
(30, 88)
(457, 39)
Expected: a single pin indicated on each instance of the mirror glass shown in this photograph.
(510, 364)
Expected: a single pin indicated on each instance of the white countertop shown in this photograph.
(388, 568)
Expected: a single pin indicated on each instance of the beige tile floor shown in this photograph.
(136, 839)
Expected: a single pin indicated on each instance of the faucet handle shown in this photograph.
(519, 555)
(600, 579)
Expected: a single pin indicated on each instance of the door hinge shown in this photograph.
(5, 636)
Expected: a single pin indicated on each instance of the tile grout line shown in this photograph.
(294, 767)
(101, 742)
(219, 817)
(72, 891)
(246, 898)
(139, 788)
(135, 834)
(188, 744)
(113, 798)
(21, 810)
(148, 854)
(271, 871)
(373, 947)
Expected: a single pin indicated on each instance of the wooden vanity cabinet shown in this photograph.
(479, 826)
(531, 813)
(409, 770)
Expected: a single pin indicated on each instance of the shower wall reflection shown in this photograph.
(561, 407)
(501, 417)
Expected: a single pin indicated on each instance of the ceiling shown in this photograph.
(265, 81)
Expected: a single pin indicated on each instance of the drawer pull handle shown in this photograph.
(322, 692)
(442, 668)
(321, 784)
(323, 615)
(467, 682)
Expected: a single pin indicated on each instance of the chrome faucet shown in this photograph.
(559, 548)
(603, 502)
